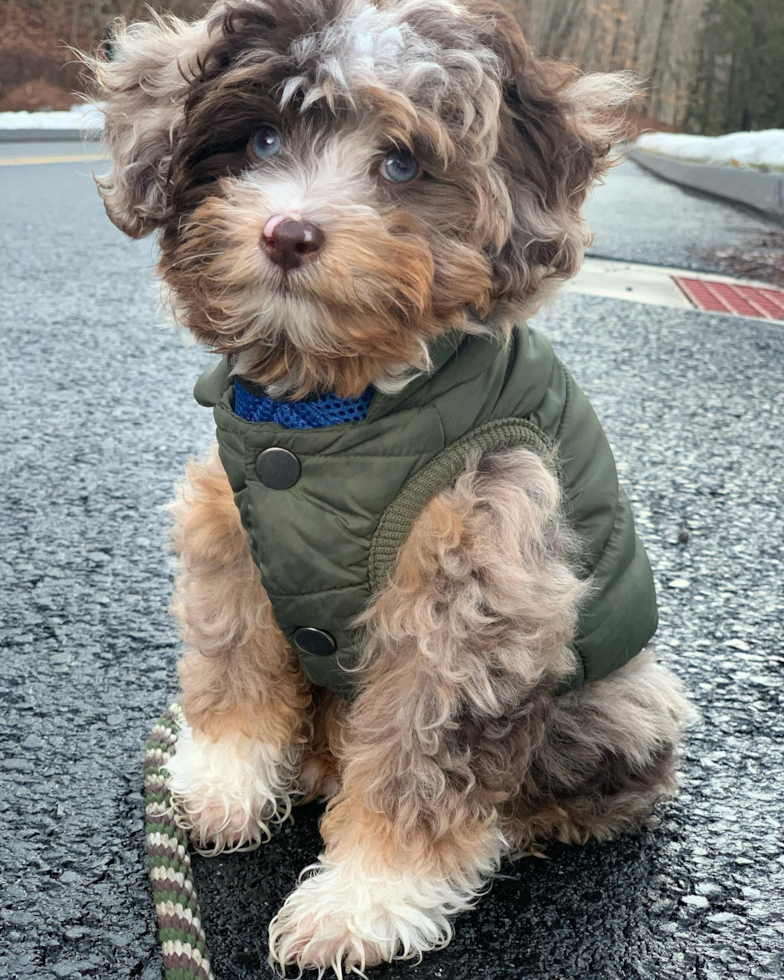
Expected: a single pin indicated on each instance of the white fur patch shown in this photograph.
(345, 918)
(367, 43)
(376, 38)
(365, 46)
(228, 793)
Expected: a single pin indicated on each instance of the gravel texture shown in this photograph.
(641, 218)
(759, 257)
(693, 406)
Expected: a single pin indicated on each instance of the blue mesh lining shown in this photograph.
(315, 413)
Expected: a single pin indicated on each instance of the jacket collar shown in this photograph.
(467, 355)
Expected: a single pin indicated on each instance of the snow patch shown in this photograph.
(762, 149)
(81, 117)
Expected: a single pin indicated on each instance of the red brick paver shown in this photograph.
(721, 297)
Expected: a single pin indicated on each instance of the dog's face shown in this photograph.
(336, 183)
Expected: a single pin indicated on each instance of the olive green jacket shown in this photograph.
(326, 544)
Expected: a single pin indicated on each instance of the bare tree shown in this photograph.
(659, 65)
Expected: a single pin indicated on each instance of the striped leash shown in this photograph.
(185, 954)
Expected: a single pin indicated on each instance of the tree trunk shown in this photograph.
(658, 68)
(75, 20)
(559, 38)
(616, 41)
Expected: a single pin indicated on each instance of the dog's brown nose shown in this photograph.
(290, 242)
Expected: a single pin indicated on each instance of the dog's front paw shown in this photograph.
(227, 793)
(343, 918)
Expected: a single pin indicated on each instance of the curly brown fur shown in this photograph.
(458, 750)
(224, 610)
(242, 692)
(604, 757)
(479, 614)
(319, 776)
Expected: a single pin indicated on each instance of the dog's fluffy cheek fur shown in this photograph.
(379, 292)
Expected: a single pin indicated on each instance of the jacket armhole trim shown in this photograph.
(567, 398)
(442, 470)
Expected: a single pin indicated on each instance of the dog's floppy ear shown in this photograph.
(557, 130)
(140, 88)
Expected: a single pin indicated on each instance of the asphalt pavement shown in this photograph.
(97, 423)
(641, 218)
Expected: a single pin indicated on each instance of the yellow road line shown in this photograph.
(72, 158)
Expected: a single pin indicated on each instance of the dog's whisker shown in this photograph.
(194, 258)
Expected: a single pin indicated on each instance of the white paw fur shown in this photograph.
(228, 793)
(344, 918)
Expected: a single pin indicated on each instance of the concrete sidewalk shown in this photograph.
(654, 285)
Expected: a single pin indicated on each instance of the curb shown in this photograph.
(666, 286)
(46, 135)
(761, 191)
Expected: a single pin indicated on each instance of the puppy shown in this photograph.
(408, 581)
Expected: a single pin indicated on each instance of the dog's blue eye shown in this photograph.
(400, 166)
(265, 143)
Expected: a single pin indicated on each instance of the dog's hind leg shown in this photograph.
(463, 649)
(244, 698)
(606, 756)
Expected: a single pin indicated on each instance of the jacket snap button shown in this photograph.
(277, 468)
(317, 642)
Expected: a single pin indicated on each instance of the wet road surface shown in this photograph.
(98, 421)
